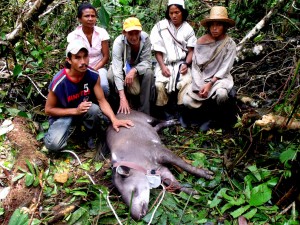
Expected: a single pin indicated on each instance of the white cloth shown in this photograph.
(220, 67)
(173, 53)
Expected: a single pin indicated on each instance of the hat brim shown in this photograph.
(74, 51)
(133, 28)
(230, 22)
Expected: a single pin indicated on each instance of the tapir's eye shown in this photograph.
(123, 171)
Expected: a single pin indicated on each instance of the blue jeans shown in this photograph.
(58, 133)
(103, 81)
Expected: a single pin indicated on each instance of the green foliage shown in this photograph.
(251, 201)
(22, 218)
(31, 177)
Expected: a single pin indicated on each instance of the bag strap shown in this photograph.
(216, 53)
(178, 43)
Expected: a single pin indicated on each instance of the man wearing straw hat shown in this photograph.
(213, 59)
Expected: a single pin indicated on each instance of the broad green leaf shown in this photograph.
(103, 17)
(29, 178)
(17, 70)
(30, 166)
(250, 214)
(36, 182)
(238, 201)
(123, 2)
(98, 166)
(273, 208)
(40, 136)
(287, 155)
(255, 172)
(239, 211)
(260, 195)
(97, 3)
(35, 222)
(76, 215)
(18, 177)
(217, 199)
(24, 114)
(45, 125)
(237, 184)
(85, 166)
(19, 218)
(273, 181)
(35, 54)
(226, 207)
(259, 38)
(13, 111)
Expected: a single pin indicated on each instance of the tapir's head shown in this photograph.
(134, 188)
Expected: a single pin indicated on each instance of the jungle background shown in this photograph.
(256, 164)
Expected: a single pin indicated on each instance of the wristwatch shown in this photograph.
(212, 82)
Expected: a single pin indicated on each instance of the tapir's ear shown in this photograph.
(123, 171)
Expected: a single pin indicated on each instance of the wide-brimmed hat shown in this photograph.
(176, 2)
(75, 46)
(132, 23)
(218, 13)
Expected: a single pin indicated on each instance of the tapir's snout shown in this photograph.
(141, 212)
(135, 191)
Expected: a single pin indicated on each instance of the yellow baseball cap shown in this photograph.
(132, 23)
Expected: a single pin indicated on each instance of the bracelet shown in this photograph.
(188, 64)
(212, 82)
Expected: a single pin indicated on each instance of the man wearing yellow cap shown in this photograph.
(130, 72)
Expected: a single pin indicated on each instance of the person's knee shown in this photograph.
(221, 95)
(53, 142)
(149, 75)
(53, 146)
(94, 110)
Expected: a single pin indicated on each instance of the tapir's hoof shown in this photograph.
(207, 174)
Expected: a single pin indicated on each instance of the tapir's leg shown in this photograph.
(166, 123)
(168, 178)
(168, 157)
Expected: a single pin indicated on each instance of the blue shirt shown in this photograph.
(71, 94)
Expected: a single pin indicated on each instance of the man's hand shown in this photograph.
(122, 123)
(165, 71)
(83, 107)
(183, 68)
(124, 106)
(203, 93)
(129, 77)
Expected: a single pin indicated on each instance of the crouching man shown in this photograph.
(76, 97)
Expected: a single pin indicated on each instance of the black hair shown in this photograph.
(184, 12)
(69, 56)
(83, 6)
(225, 25)
(67, 64)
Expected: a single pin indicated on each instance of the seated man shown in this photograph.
(130, 72)
(73, 93)
(213, 59)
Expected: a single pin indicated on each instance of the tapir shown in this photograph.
(139, 161)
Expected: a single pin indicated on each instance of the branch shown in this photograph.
(52, 8)
(26, 20)
(261, 24)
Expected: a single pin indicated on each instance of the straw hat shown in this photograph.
(218, 13)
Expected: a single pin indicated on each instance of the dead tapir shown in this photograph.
(139, 161)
